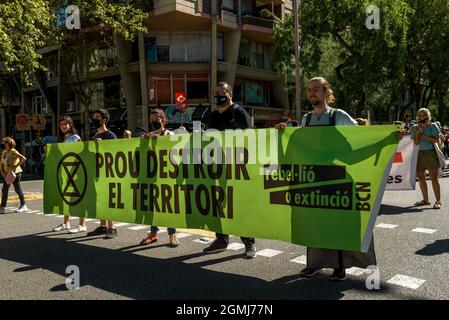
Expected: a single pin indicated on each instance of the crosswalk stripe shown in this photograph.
(182, 235)
(121, 224)
(204, 240)
(33, 211)
(268, 253)
(135, 228)
(355, 271)
(386, 226)
(235, 246)
(424, 230)
(406, 281)
(301, 259)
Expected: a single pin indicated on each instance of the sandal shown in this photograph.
(437, 205)
(422, 203)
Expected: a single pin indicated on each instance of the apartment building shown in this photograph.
(190, 46)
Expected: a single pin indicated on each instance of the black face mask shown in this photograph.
(155, 125)
(97, 123)
(423, 120)
(221, 100)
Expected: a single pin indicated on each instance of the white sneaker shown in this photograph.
(23, 208)
(78, 229)
(62, 227)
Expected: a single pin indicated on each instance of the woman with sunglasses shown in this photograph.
(426, 134)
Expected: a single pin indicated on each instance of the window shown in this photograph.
(220, 46)
(228, 5)
(38, 105)
(163, 47)
(177, 47)
(194, 48)
(182, 46)
(150, 49)
(165, 86)
(113, 93)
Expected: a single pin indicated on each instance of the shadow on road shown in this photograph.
(392, 210)
(141, 277)
(436, 248)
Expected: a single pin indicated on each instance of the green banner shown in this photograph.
(316, 186)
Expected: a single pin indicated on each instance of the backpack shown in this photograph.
(332, 116)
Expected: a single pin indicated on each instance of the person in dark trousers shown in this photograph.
(100, 118)
(229, 116)
(321, 96)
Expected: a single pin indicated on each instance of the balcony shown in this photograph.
(257, 29)
(256, 21)
(175, 15)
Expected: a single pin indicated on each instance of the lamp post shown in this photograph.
(296, 4)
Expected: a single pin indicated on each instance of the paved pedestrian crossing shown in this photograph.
(400, 280)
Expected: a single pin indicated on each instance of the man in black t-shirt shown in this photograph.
(229, 116)
(100, 118)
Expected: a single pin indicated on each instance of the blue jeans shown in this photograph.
(169, 230)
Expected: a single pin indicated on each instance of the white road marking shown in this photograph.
(235, 246)
(204, 240)
(135, 228)
(268, 253)
(182, 235)
(301, 259)
(386, 226)
(424, 230)
(405, 281)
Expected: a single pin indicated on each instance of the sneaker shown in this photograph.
(339, 274)
(2, 210)
(111, 233)
(151, 238)
(78, 229)
(250, 251)
(62, 227)
(23, 208)
(309, 272)
(174, 242)
(98, 231)
(216, 247)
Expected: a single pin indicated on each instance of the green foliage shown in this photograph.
(371, 69)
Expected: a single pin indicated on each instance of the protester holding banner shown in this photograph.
(67, 133)
(100, 119)
(10, 163)
(426, 134)
(229, 116)
(158, 121)
(321, 96)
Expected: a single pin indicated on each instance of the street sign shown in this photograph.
(22, 122)
(38, 122)
(181, 101)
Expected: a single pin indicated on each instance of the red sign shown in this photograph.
(398, 157)
(22, 121)
(181, 101)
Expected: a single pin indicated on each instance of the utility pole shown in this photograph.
(296, 5)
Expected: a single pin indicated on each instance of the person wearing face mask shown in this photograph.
(158, 121)
(425, 134)
(229, 115)
(67, 133)
(100, 119)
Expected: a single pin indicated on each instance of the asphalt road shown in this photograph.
(33, 260)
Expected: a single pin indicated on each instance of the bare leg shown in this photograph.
(423, 185)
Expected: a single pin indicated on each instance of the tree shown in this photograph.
(408, 53)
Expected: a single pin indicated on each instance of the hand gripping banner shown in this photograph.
(315, 186)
